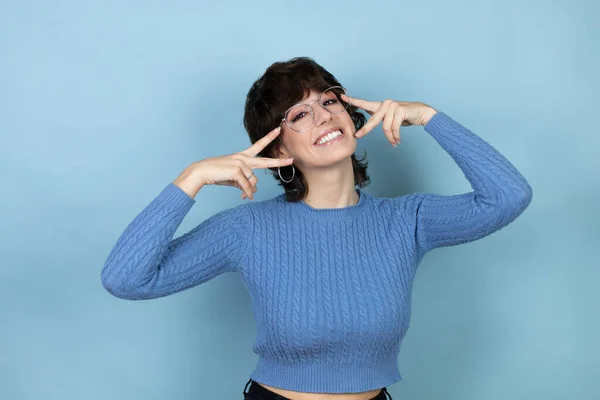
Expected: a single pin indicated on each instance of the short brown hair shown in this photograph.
(281, 86)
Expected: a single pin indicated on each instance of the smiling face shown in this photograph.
(299, 81)
(327, 141)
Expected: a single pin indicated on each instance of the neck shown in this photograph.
(331, 187)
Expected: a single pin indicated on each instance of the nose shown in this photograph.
(322, 115)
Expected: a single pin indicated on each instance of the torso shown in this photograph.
(331, 294)
(322, 396)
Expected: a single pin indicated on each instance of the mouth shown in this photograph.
(329, 136)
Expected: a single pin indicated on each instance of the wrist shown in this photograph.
(189, 181)
(428, 114)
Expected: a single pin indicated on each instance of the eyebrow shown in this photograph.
(306, 102)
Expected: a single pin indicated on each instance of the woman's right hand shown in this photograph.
(231, 170)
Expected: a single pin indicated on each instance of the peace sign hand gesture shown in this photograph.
(393, 113)
(231, 170)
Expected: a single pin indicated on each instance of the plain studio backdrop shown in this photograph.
(102, 104)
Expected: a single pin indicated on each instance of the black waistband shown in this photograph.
(259, 392)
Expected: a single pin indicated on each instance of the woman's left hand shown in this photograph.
(394, 114)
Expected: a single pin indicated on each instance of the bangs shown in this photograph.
(288, 90)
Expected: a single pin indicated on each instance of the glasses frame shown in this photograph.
(312, 111)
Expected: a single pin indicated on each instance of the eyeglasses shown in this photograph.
(302, 116)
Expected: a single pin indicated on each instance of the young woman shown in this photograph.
(329, 267)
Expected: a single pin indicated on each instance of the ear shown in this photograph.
(281, 151)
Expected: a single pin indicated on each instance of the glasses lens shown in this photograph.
(299, 117)
(331, 100)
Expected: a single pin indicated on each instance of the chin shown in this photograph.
(334, 157)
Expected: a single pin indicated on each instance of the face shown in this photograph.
(320, 145)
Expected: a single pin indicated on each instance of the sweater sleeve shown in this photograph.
(500, 193)
(147, 263)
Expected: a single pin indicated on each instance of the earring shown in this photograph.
(293, 174)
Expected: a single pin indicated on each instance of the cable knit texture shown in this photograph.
(330, 288)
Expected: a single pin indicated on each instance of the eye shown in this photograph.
(298, 116)
(329, 102)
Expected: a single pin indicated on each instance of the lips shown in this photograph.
(327, 132)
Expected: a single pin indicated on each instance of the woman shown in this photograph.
(329, 267)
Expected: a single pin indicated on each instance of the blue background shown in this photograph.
(103, 103)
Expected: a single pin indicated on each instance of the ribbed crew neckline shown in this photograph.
(307, 211)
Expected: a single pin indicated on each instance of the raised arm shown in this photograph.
(147, 263)
(500, 193)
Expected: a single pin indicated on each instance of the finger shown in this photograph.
(374, 120)
(262, 143)
(254, 190)
(398, 121)
(369, 106)
(266, 162)
(245, 181)
(244, 185)
(387, 124)
(253, 181)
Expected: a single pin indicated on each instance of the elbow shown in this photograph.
(118, 288)
(527, 196)
(515, 201)
(521, 197)
(119, 291)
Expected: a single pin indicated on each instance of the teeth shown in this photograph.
(329, 137)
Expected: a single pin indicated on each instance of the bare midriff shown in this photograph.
(322, 396)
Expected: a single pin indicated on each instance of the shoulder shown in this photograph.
(258, 208)
(392, 205)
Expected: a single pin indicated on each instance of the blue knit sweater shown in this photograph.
(330, 288)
